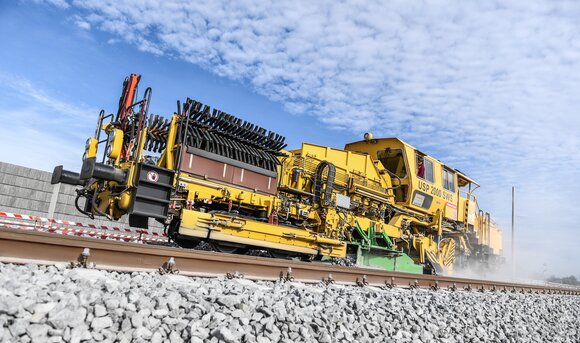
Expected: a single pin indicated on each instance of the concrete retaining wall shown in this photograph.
(28, 191)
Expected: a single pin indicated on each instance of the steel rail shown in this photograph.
(44, 248)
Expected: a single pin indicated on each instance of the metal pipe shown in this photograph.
(182, 140)
(368, 194)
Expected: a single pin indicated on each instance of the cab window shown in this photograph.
(393, 160)
(448, 180)
(424, 168)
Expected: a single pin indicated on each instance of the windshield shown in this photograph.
(393, 160)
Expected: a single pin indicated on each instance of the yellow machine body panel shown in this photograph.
(496, 240)
(427, 189)
(355, 172)
(350, 162)
(253, 233)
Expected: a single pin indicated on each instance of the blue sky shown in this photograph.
(491, 88)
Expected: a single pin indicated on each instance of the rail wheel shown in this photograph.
(290, 255)
(229, 248)
(187, 243)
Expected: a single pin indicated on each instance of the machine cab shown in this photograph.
(421, 182)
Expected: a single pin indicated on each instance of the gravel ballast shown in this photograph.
(56, 304)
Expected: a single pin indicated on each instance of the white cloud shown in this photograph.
(493, 88)
(44, 131)
(22, 87)
(83, 24)
(58, 3)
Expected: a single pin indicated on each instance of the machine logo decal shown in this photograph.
(152, 176)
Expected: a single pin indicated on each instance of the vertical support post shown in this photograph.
(513, 233)
(53, 200)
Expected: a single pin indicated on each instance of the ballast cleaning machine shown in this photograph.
(207, 175)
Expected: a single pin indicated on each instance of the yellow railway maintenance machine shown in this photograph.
(209, 176)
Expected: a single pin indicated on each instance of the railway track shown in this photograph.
(17, 246)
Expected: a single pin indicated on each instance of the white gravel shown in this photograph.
(55, 304)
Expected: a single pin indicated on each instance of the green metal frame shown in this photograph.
(371, 253)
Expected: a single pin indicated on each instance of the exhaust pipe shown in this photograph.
(59, 175)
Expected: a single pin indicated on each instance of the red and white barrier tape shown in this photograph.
(76, 232)
(67, 222)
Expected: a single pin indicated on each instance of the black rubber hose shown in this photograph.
(317, 183)
(79, 195)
